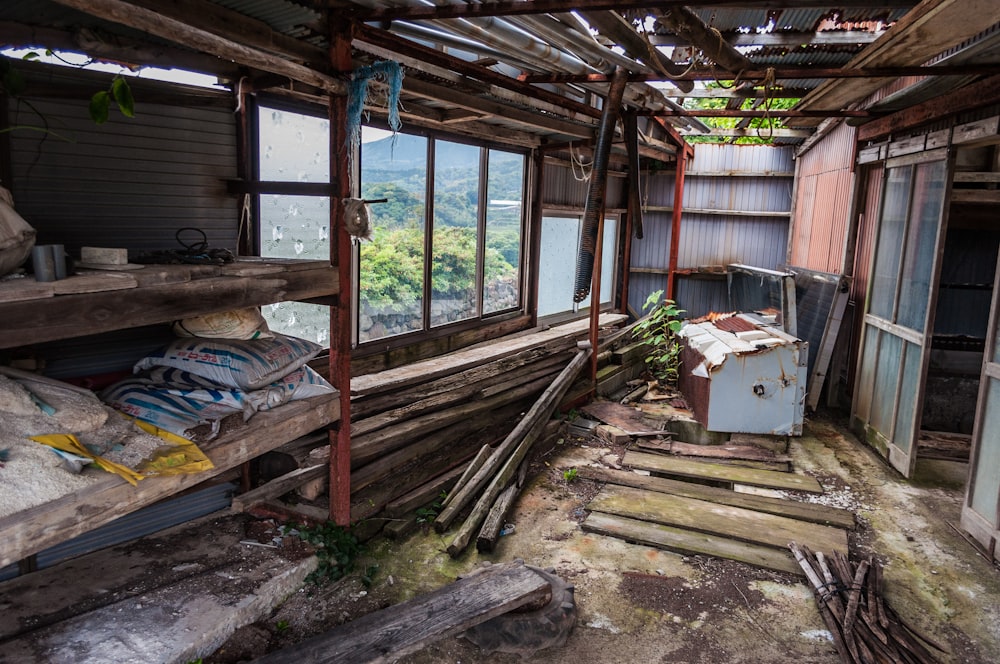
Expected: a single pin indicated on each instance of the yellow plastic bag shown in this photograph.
(180, 458)
(177, 456)
(67, 442)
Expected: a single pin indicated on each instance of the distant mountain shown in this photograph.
(410, 152)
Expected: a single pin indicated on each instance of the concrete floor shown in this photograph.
(635, 603)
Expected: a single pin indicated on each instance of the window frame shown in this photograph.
(481, 318)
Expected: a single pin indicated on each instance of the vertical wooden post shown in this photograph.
(340, 314)
(675, 228)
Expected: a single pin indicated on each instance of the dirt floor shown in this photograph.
(639, 604)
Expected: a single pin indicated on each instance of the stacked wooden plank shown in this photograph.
(682, 499)
(416, 429)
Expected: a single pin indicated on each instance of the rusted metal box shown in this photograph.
(741, 375)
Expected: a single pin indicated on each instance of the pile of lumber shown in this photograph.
(492, 486)
(418, 429)
(864, 627)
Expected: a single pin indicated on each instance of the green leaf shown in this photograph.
(30, 55)
(123, 96)
(99, 106)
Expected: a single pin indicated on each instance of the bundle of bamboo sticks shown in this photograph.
(865, 629)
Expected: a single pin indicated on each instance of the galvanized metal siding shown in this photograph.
(871, 197)
(823, 196)
(715, 239)
(561, 188)
(129, 182)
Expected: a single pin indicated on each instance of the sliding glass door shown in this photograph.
(898, 311)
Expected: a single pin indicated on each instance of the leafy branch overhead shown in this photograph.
(14, 84)
(100, 103)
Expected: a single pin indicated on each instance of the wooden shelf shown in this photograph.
(30, 531)
(36, 312)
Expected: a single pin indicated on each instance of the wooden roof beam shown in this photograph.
(200, 39)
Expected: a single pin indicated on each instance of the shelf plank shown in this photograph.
(66, 316)
(40, 527)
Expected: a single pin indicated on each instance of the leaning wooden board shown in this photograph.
(725, 520)
(387, 635)
(690, 542)
(679, 467)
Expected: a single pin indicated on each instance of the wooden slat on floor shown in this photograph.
(690, 542)
(663, 447)
(389, 634)
(821, 514)
(741, 452)
(680, 467)
(725, 520)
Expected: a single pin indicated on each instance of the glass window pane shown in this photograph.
(902, 437)
(557, 264)
(454, 286)
(986, 485)
(293, 147)
(390, 284)
(866, 379)
(890, 242)
(886, 384)
(608, 256)
(996, 346)
(295, 226)
(504, 210)
(918, 263)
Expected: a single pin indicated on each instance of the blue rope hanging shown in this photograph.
(357, 94)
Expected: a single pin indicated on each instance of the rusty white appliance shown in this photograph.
(740, 374)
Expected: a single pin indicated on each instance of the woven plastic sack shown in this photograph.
(245, 365)
(17, 237)
(236, 324)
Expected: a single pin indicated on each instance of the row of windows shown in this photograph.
(448, 230)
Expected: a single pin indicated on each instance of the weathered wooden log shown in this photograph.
(490, 532)
(474, 465)
(533, 425)
(423, 495)
(278, 486)
(376, 444)
(538, 415)
(421, 403)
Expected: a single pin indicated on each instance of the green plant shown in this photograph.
(336, 550)
(428, 513)
(281, 626)
(659, 331)
(570, 474)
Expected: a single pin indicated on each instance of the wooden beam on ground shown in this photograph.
(793, 509)
(735, 523)
(740, 452)
(386, 635)
(678, 467)
(490, 532)
(689, 542)
(660, 447)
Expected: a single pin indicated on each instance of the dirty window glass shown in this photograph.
(454, 283)
(986, 484)
(890, 242)
(921, 237)
(294, 147)
(504, 210)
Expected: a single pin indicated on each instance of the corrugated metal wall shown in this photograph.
(823, 197)
(128, 182)
(870, 196)
(562, 188)
(741, 178)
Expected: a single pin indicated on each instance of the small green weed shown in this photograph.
(282, 626)
(428, 513)
(336, 549)
(570, 474)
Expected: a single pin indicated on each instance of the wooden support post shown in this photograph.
(675, 228)
(341, 315)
